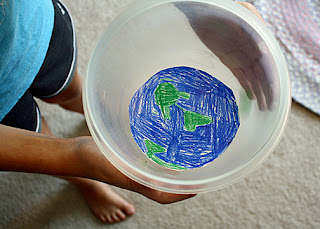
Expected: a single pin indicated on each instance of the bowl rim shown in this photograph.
(209, 184)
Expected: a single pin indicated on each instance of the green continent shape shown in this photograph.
(155, 148)
(166, 95)
(193, 119)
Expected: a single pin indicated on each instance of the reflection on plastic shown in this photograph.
(237, 48)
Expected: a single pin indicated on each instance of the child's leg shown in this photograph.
(71, 97)
(57, 80)
(105, 204)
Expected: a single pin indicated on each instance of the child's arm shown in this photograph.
(25, 151)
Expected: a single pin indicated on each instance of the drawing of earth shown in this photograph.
(183, 118)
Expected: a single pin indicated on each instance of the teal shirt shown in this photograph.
(25, 33)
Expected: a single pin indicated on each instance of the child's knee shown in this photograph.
(72, 92)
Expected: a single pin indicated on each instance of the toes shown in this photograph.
(129, 209)
(121, 215)
(103, 219)
(118, 215)
(115, 217)
(109, 219)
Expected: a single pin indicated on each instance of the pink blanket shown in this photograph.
(296, 26)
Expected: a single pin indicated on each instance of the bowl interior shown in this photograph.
(155, 37)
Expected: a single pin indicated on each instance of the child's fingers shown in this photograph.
(252, 8)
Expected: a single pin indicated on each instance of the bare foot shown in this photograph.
(108, 206)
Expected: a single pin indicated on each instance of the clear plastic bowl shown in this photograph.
(153, 35)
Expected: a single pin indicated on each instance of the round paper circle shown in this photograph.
(183, 118)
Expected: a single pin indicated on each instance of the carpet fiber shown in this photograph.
(282, 193)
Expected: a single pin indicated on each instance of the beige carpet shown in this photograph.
(283, 193)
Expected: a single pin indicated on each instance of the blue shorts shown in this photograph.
(54, 76)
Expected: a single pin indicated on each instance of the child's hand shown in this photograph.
(26, 151)
(96, 166)
(236, 48)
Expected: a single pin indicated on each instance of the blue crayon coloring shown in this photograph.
(183, 118)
